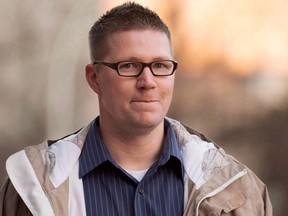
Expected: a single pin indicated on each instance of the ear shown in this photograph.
(91, 77)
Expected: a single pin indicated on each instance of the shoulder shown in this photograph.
(220, 179)
(38, 173)
(36, 161)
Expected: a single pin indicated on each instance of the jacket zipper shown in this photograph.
(222, 187)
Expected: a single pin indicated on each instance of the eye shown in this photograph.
(164, 65)
(158, 65)
(128, 65)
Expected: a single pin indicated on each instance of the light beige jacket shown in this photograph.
(43, 180)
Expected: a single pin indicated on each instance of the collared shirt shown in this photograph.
(110, 190)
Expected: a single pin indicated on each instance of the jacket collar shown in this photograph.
(60, 158)
(201, 158)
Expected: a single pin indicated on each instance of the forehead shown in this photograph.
(136, 44)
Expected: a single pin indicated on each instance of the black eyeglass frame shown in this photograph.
(115, 66)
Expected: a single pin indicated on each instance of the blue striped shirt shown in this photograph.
(110, 190)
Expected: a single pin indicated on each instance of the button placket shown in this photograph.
(141, 190)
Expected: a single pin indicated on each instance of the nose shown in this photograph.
(146, 79)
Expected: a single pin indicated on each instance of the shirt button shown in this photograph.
(141, 190)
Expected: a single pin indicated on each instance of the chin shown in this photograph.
(149, 121)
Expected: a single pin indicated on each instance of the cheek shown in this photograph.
(166, 94)
(169, 88)
(113, 90)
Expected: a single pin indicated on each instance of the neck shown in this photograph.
(134, 151)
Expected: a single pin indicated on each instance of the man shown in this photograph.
(131, 160)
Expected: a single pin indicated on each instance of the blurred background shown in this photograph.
(232, 81)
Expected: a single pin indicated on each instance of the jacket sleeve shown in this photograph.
(11, 203)
(266, 200)
(258, 201)
(246, 196)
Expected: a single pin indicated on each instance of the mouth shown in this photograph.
(145, 100)
(145, 104)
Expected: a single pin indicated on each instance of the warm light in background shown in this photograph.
(245, 36)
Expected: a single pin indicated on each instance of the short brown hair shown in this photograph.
(125, 17)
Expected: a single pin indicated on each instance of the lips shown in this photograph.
(145, 100)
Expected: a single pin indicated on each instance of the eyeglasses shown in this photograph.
(134, 68)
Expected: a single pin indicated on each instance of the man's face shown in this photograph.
(134, 102)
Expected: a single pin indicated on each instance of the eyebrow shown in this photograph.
(137, 59)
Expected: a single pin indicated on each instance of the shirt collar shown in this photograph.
(170, 147)
(94, 151)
